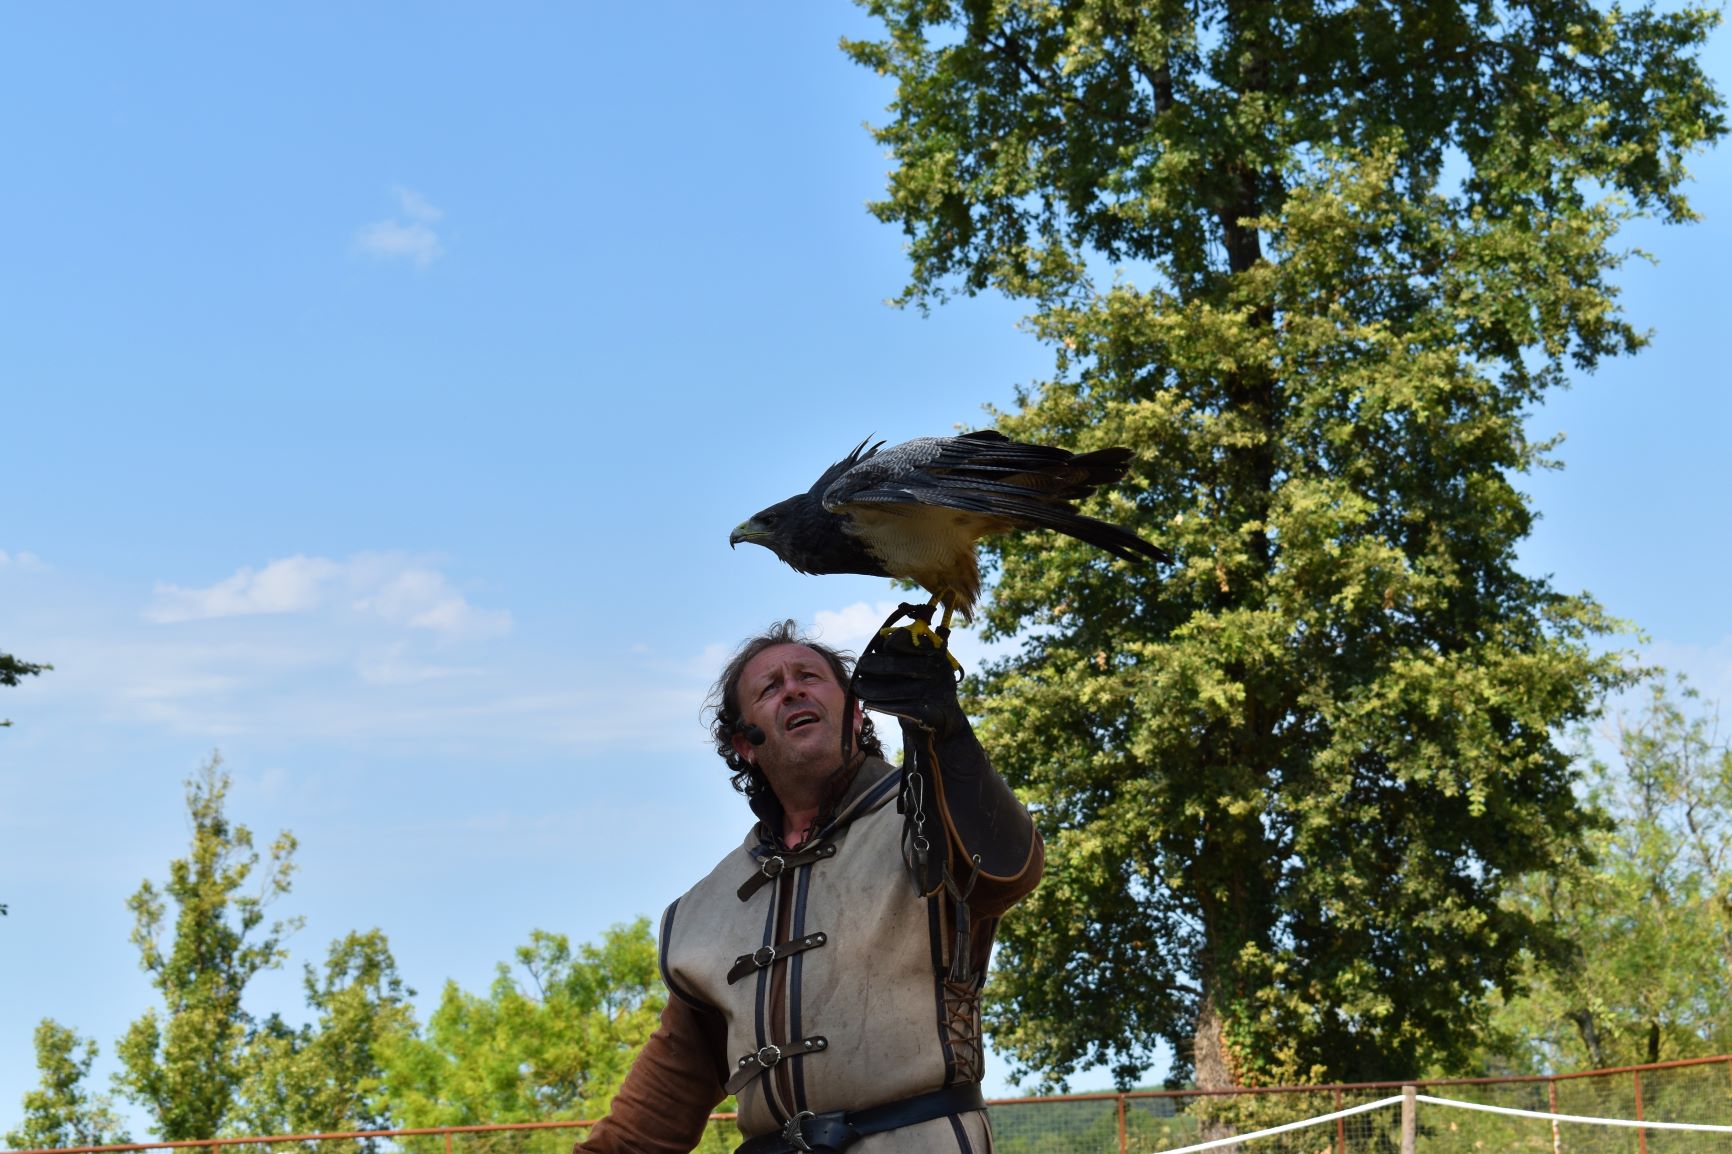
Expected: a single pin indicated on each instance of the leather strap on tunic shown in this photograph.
(838, 985)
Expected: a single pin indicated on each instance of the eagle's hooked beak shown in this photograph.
(752, 530)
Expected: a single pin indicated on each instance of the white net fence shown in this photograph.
(1682, 1107)
(1426, 1123)
(1364, 1120)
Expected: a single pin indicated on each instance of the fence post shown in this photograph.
(447, 1142)
(1552, 1105)
(1340, 1127)
(1409, 1119)
(1642, 1131)
(1124, 1145)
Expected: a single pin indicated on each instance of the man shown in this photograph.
(827, 972)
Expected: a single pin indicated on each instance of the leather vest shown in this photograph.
(831, 975)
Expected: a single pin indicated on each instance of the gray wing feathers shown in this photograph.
(987, 474)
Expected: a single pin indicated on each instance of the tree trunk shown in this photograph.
(1213, 1065)
(1590, 1033)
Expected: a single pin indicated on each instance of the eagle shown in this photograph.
(915, 511)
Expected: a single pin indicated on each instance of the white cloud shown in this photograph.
(372, 653)
(851, 628)
(415, 206)
(290, 585)
(423, 599)
(397, 665)
(381, 586)
(25, 561)
(393, 240)
(410, 236)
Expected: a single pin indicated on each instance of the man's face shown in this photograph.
(790, 693)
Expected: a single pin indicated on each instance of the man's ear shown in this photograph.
(741, 745)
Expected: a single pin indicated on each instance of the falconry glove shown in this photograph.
(961, 796)
(910, 678)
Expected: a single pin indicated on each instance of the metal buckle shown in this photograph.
(791, 1133)
(775, 1055)
(773, 865)
(763, 956)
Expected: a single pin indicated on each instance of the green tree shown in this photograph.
(1645, 926)
(328, 1076)
(554, 1047)
(1285, 782)
(186, 1064)
(60, 1112)
(11, 670)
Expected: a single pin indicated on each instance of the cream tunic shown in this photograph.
(856, 1008)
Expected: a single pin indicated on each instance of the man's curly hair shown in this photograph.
(723, 703)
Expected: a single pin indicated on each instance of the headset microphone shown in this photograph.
(751, 733)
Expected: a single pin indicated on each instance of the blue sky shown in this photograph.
(378, 386)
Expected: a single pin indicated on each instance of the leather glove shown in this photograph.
(911, 679)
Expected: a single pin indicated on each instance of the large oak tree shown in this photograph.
(1316, 261)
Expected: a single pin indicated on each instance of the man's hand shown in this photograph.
(908, 678)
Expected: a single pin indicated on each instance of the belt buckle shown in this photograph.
(792, 1134)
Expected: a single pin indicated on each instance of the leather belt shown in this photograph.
(840, 1129)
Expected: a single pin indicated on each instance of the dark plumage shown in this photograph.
(916, 510)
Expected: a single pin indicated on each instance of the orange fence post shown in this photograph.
(447, 1142)
(1124, 1143)
(1340, 1127)
(1552, 1105)
(1641, 1131)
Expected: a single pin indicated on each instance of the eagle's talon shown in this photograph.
(916, 630)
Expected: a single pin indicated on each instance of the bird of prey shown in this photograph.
(916, 510)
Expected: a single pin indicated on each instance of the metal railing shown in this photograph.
(1692, 1090)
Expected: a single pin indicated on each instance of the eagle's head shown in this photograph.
(777, 527)
(807, 538)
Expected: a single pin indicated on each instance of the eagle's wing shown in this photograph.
(848, 464)
(1004, 484)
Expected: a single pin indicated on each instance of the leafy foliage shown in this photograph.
(1645, 924)
(557, 1047)
(1286, 784)
(554, 1046)
(186, 1064)
(60, 1112)
(328, 1076)
(11, 671)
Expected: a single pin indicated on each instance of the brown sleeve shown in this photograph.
(665, 1102)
